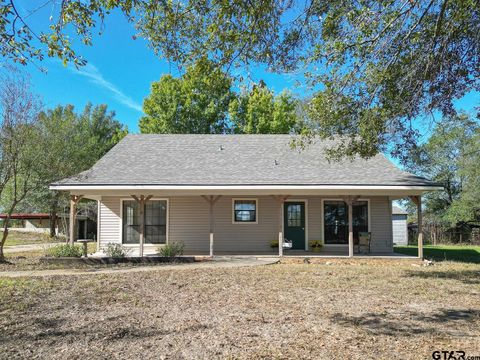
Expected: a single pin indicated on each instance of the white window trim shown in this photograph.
(323, 219)
(245, 222)
(145, 244)
(306, 218)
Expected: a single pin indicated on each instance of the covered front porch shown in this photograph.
(250, 224)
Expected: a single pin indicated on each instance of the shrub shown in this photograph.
(274, 244)
(116, 250)
(171, 250)
(315, 244)
(65, 250)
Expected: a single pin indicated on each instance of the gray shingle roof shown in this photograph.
(233, 160)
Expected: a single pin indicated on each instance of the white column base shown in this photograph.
(280, 244)
(211, 244)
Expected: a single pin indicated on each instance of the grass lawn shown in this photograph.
(343, 309)
(26, 238)
(462, 253)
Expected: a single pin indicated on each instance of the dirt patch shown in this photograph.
(279, 311)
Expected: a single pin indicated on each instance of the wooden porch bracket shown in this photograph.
(417, 200)
(211, 199)
(280, 200)
(74, 199)
(141, 200)
(349, 200)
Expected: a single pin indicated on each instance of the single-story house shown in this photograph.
(399, 226)
(40, 223)
(236, 194)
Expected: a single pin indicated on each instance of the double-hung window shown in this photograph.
(245, 211)
(155, 222)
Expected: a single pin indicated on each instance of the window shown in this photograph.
(155, 222)
(244, 210)
(335, 216)
(294, 215)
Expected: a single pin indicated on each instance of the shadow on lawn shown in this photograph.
(412, 323)
(45, 328)
(470, 277)
(443, 254)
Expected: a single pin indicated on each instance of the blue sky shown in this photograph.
(120, 70)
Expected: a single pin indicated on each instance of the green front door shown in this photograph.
(294, 223)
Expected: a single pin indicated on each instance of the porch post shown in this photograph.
(350, 228)
(141, 214)
(420, 226)
(211, 201)
(74, 199)
(280, 227)
(281, 201)
(99, 216)
(141, 224)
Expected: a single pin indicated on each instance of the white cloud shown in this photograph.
(91, 72)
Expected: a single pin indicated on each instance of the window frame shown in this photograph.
(322, 219)
(245, 222)
(167, 223)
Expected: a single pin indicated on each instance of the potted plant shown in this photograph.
(274, 244)
(315, 245)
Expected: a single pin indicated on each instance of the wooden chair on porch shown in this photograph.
(363, 245)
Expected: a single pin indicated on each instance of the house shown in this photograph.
(40, 223)
(399, 226)
(235, 194)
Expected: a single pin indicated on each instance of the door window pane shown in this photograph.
(131, 229)
(294, 215)
(336, 221)
(360, 218)
(155, 221)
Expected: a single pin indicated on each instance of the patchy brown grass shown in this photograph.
(30, 260)
(279, 311)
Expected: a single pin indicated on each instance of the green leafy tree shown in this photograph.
(261, 112)
(378, 65)
(73, 142)
(21, 163)
(195, 103)
(451, 157)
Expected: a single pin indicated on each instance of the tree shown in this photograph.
(377, 65)
(196, 103)
(451, 157)
(21, 165)
(261, 112)
(73, 142)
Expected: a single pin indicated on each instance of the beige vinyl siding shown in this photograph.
(246, 237)
(189, 223)
(381, 224)
(314, 217)
(110, 223)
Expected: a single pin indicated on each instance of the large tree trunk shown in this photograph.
(5, 234)
(4, 238)
(5, 229)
